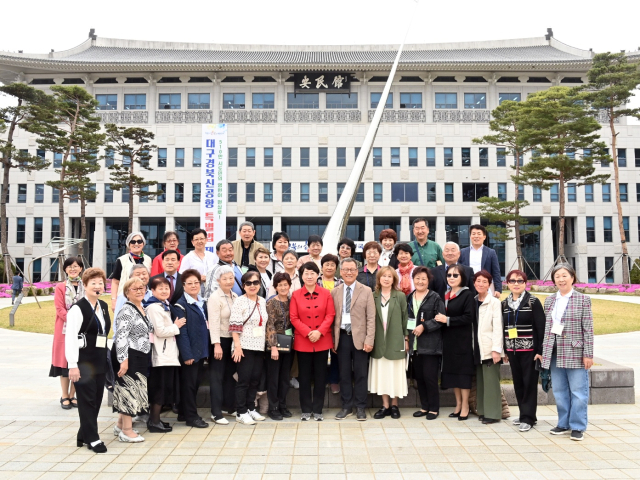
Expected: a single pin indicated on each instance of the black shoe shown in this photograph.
(383, 412)
(577, 435)
(461, 418)
(489, 421)
(79, 443)
(74, 405)
(99, 448)
(198, 423)
(158, 427)
(285, 412)
(395, 412)
(174, 408)
(65, 407)
(558, 431)
(481, 418)
(275, 415)
(181, 418)
(454, 414)
(432, 416)
(166, 424)
(361, 414)
(344, 413)
(420, 413)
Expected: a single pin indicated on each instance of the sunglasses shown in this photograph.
(253, 283)
(453, 275)
(139, 242)
(513, 281)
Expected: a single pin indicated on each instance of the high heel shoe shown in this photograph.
(454, 414)
(461, 418)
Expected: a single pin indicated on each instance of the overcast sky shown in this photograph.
(37, 26)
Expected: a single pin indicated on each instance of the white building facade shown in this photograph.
(291, 152)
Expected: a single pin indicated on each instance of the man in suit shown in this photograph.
(16, 287)
(224, 250)
(451, 254)
(480, 257)
(170, 264)
(353, 334)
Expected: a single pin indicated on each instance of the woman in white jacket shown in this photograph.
(491, 352)
(163, 380)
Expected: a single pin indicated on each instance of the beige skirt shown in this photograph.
(388, 377)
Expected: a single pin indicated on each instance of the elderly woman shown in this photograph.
(459, 342)
(247, 324)
(137, 271)
(280, 244)
(85, 344)
(387, 370)
(262, 259)
(490, 350)
(164, 377)
(122, 269)
(314, 247)
(329, 281)
(403, 253)
(193, 345)
(279, 362)
(221, 366)
(425, 341)
(346, 249)
(66, 296)
(290, 262)
(568, 351)
(170, 241)
(524, 322)
(130, 358)
(388, 239)
(367, 274)
(312, 313)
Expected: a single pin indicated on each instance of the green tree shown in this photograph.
(563, 128)
(29, 105)
(612, 80)
(72, 130)
(509, 131)
(134, 146)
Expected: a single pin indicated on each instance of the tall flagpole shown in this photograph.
(338, 222)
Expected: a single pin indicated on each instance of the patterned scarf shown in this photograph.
(405, 277)
(137, 258)
(71, 297)
(514, 304)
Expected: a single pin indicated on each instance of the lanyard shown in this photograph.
(419, 254)
(95, 316)
(509, 315)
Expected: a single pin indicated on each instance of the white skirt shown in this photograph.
(388, 377)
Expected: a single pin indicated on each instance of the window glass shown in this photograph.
(137, 101)
(250, 192)
(268, 192)
(304, 192)
(514, 97)
(413, 157)
(107, 102)
(410, 100)
(375, 100)
(341, 157)
(342, 100)
(446, 100)
(169, 101)
(377, 157)
(448, 157)
(263, 101)
(233, 101)
(475, 100)
(303, 100)
(197, 157)
(395, 157)
(268, 157)
(179, 157)
(199, 101)
(431, 157)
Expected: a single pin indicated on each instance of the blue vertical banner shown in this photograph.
(213, 200)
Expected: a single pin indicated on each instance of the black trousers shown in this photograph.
(354, 363)
(222, 386)
(425, 371)
(525, 383)
(189, 384)
(89, 391)
(278, 379)
(312, 367)
(249, 373)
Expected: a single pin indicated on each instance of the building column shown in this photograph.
(441, 230)
(152, 100)
(216, 98)
(169, 223)
(136, 223)
(239, 220)
(280, 100)
(99, 244)
(475, 220)
(546, 246)
(369, 232)
(277, 224)
(405, 229)
(364, 97)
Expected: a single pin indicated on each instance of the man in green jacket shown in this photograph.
(426, 253)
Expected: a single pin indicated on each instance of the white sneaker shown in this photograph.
(144, 418)
(294, 383)
(245, 418)
(318, 417)
(123, 438)
(516, 421)
(116, 430)
(220, 421)
(524, 427)
(256, 415)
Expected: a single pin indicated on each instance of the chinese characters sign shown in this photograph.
(329, 82)
(213, 199)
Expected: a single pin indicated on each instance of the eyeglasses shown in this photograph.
(513, 281)
(192, 284)
(139, 242)
(199, 239)
(253, 283)
(349, 270)
(453, 275)
(139, 289)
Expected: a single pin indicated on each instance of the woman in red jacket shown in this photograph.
(170, 241)
(312, 313)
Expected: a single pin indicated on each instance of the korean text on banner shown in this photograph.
(213, 203)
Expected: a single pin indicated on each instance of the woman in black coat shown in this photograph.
(425, 341)
(459, 343)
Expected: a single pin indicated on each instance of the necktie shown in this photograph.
(171, 287)
(347, 308)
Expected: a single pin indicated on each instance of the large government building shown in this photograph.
(296, 117)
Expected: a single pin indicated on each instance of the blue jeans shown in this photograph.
(571, 390)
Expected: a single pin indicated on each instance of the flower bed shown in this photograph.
(548, 286)
(46, 287)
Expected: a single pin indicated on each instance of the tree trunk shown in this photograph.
(83, 226)
(561, 217)
(61, 218)
(6, 164)
(516, 223)
(616, 176)
(130, 205)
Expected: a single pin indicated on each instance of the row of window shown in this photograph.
(196, 101)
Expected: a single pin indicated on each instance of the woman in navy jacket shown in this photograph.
(193, 344)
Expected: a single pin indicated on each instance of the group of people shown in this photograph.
(260, 319)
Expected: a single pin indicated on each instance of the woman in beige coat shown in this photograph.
(490, 349)
(163, 380)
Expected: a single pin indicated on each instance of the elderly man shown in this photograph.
(224, 250)
(451, 254)
(170, 264)
(480, 257)
(245, 247)
(425, 253)
(353, 332)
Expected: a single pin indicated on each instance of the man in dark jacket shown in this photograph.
(170, 264)
(16, 287)
(451, 254)
(480, 257)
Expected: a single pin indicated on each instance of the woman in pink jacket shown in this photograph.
(66, 295)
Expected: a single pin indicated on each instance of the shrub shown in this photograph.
(635, 271)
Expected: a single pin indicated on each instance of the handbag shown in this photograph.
(284, 343)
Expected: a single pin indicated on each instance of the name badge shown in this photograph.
(288, 331)
(513, 333)
(101, 341)
(64, 328)
(411, 324)
(258, 332)
(557, 328)
(346, 319)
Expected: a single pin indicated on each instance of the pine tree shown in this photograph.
(563, 128)
(134, 146)
(612, 80)
(30, 104)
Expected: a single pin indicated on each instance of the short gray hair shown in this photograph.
(347, 260)
(222, 270)
(452, 243)
(132, 235)
(247, 224)
(563, 266)
(137, 266)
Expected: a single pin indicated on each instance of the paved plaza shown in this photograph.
(37, 438)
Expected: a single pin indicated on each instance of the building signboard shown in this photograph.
(213, 200)
(328, 82)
